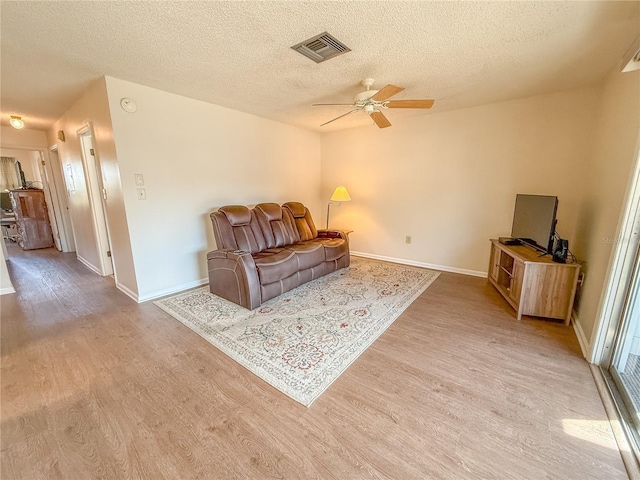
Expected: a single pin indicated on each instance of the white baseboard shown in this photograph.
(582, 339)
(128, 292)
(4, 291)
(443, 268)
(89, 265)
(169, 291)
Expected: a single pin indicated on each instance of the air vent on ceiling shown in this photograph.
(321, 47)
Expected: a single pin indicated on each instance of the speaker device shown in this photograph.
(560, 251)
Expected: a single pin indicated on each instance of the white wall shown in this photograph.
(605, 178)
(195, 157)
(29, 160)
(93, 108)
(11, 137)
(450, 179)
(5, 281)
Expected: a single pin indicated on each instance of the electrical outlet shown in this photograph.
(142, 194)
(407, 239)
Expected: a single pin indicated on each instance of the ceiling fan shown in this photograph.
(372, 102)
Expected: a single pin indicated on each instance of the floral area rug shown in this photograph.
(301, 341)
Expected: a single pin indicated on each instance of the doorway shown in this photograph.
(33, 167)
(617, 342)
(97, 198)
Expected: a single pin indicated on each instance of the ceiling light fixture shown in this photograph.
(16, 122)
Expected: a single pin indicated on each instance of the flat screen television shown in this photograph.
(534, 220)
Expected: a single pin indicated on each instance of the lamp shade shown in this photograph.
(340, 194)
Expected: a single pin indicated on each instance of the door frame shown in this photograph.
(621, 269)
(91, 166)
(51, 193)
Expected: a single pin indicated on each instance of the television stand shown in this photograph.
(532, 284)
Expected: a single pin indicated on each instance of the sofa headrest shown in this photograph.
(272, 211)
(297, 209)
(237, 214)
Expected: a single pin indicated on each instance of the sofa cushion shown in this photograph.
(278, 230)
(297, 209)
(236, 227)
(302, 220)
(273, 267)
(237, 215)
(309, 254)
(334, 248)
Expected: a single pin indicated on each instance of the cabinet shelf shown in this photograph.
(531, 284)
(508, 272)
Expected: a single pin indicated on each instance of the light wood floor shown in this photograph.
(97, 386)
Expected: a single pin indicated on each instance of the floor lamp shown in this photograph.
(340, 195)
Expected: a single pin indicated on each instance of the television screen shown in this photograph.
(534, 220)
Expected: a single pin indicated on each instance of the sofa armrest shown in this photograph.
(233, 275)
(333, 233)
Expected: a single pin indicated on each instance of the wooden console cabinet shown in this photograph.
(32, 219)
(533, 284)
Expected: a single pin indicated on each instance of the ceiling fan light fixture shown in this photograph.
(372, 102)
(16, 122)
(362, 97)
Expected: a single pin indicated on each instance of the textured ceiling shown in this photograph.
(237, 54)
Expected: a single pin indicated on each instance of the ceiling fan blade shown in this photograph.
(380, 119)
(386, 92)
(322, 104)
(409, 104)
(343, 115)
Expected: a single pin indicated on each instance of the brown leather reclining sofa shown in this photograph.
(268, 250)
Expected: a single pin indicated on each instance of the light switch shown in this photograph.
(139, 179)
(142, 194)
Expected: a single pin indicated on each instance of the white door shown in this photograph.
(50, 194)
(96, 199)
(65, 226)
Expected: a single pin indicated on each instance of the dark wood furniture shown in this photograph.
(32, 219)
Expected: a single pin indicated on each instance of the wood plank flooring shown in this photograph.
(96, 386)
